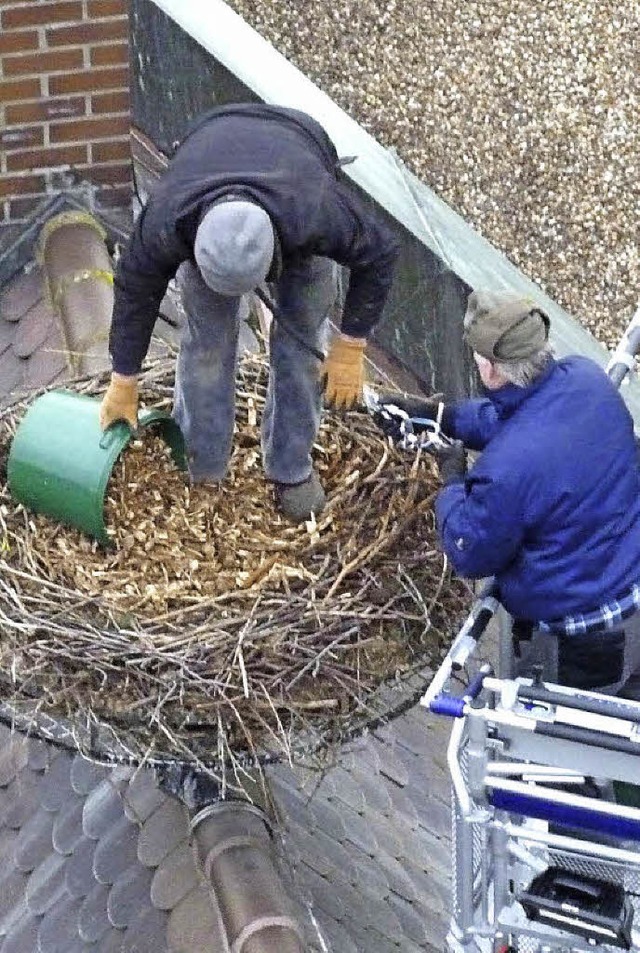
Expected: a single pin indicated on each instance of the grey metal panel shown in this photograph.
(174, 77)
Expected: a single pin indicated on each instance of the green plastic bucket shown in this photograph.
(60, 460)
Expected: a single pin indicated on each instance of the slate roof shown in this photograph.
(102, 859)
(369, 841)
(31, 347)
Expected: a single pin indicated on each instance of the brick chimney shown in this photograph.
(64, 104)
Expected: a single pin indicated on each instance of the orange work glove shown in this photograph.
(120, 401)
(343, 371)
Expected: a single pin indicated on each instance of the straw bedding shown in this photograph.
(213, 630)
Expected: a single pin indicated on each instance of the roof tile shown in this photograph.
(327, 816)
(13, 755)
(112, 942)
(8, 842)
(121, 776)
(33, 329)
(247, 887)
(34, 841)
(195, 924)
(325, 897)
(67, 825)
(102, 809)
(41, 754)
(393, 767)
(345, 788)
(333, 934)
(23, 798)
(7, 335)
(374, 791)
(86, 775)
(142, 797)
(93, 921)
(230, 819)
(21, 294)
(12, 885)
(175, 878)
(272, 939)
(58, 931)
(151, 924)
(48, 364)
(55, 787)
(116, 851)
(306, 847)
(162, 832)
(79, 869)
(128, 896)
(46, 885)
(11, 373)
(23, 935)
(359, 831)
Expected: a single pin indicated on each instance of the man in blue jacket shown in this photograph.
(551, 507)
(252, 197)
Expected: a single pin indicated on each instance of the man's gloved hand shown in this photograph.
(452, 461)
(343, 372)
(120, 401)
(414, 406)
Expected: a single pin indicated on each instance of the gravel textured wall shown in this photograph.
(523, 116)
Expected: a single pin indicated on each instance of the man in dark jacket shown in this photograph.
(551, 507)
(252, 197)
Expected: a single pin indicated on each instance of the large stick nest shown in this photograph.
(214, 630)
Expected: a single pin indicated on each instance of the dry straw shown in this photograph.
(214, 631)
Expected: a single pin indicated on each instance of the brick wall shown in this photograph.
(64, 103)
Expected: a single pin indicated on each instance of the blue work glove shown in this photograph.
(452, 461)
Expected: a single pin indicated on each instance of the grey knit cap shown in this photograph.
(234, 246)
(504, 327)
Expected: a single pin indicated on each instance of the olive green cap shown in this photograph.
(502, 326)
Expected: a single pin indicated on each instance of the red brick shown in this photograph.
(111, 151)
(118, 197)
(16, 90)
(41, 14)
(11, 185)
(13, 42)
(116, 102)
(85, 129)
(19, 138)
(22, 208)
(89, 81)
(111, 54)
(57, 61)
(89, 32)
(107, 8)
(116, 174)
(45, 109)
(46, 158)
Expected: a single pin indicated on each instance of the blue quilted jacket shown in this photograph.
(552, 505)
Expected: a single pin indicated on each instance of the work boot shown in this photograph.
(299, 500)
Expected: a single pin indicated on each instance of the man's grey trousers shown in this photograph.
(204, 398)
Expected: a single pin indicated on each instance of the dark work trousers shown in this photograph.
(607, 662)
(204, 397)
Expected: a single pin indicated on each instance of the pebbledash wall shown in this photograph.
(64, 105)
